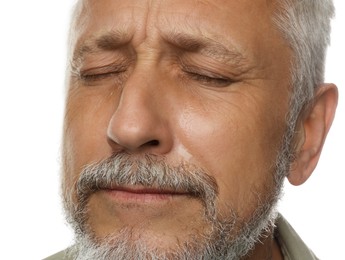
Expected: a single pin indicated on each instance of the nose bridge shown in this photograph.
(137, 101)
(138, 87)
(138, 123)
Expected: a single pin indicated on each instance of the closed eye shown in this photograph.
(210, 80)
(98, 74)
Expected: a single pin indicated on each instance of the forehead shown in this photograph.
(204, 8)
(211, 18)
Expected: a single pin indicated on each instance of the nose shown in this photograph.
(139, 124)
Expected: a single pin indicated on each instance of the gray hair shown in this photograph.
(305, 25)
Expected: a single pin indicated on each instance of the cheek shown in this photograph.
(85, 130)
(237, 143)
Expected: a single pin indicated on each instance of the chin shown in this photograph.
(223, 239)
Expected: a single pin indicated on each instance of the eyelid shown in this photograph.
(92, 75)
(95, 75)
(110, 68)
(206, 76)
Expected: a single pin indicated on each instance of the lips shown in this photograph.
(142, 194)
(146, 190)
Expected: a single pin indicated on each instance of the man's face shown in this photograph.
(200, 85)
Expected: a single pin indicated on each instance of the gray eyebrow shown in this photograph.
(107, 41)
(207, 46)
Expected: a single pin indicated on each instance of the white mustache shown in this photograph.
(148, 171)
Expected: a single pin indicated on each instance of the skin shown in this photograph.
(224, 112)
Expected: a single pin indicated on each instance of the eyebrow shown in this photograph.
(206, 46)
(109, 41)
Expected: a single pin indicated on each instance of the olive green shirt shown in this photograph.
(292, 246)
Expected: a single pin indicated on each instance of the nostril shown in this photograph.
(153, 143)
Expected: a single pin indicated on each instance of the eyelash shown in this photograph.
(207, 80)
(93, 76)
(98, 76)
(216, 80)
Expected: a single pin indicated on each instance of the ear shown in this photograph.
(313, 129)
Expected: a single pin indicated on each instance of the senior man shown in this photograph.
(183, 117)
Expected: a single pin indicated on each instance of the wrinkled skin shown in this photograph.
(202, 82)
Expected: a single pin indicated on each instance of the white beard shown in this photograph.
(228, 237)
(217, 246)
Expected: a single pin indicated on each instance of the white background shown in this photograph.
(32, 62)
